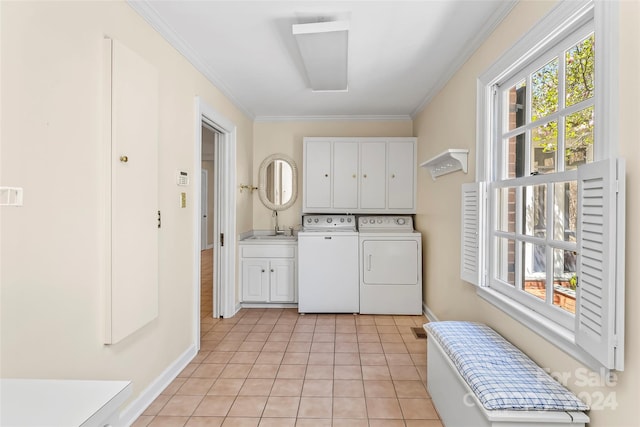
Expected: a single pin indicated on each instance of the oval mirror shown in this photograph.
(278, 182)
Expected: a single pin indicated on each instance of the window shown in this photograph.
(548, 166)
(545, 121)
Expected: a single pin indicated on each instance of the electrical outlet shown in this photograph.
(183, 200)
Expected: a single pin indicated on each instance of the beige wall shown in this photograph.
(51, 146)
(286, 138)
(449, 122)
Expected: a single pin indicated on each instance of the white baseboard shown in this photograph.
(142, 402)
(268, 305)
(427, 312)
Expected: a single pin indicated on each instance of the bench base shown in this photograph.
(459, 407)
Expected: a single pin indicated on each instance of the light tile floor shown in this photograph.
(274, 367)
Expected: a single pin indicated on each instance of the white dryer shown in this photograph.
(390, 265)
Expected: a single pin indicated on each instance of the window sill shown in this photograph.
(557, 335)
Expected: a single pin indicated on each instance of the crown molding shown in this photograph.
(145, 9)
(466, 53)
(377, 118)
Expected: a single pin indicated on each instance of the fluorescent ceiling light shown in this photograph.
(323, 46)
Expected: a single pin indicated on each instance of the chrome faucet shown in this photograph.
(276, 230)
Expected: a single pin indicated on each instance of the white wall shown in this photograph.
(449, 122)
(286, 138)
(51, 321)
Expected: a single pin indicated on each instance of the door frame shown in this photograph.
(224, 215)
(204, 200)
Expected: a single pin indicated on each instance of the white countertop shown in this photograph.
(60, 403)
(263, 237)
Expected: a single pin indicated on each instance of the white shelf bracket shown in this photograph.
(451, 160)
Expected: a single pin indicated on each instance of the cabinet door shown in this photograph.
(317, 175)
(282, 280)
(255, 280)
(400, 175)
(372, 175)
(345, 175)
(131, 297)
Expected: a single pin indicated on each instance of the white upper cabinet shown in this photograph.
(345, 176)
(359, 175)
(401, 172)
(373, 158)
(317, 166)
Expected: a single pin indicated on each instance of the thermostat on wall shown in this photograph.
(182, 178)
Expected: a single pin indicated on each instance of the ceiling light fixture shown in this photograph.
(323, 46)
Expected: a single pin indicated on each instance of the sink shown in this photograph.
(278, 237)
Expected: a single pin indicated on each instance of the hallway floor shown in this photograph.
(274, 367)
(206, 283)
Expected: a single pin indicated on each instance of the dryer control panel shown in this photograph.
(385, 223)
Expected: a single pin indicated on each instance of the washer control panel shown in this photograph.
(385, 223)
(329, 223)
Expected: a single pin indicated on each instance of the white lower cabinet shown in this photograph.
(268, 273)
(282, 280)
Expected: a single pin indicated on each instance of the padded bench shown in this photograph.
(477, 378)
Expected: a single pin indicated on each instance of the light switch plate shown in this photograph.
(11, 196)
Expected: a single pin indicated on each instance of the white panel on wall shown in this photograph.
(131, 94)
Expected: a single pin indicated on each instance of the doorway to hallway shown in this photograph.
(209, 200)
(218, 299)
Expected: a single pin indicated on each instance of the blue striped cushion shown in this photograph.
(499, 374)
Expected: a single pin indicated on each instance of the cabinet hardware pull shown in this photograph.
(326, 175)
(124, 159)
(365, 175)
(354, 175)
(263, 270)
(272, 270)
(393, 175)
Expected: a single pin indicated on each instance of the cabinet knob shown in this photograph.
(272, 270)
(353, 176)
(365, 175)
(263, 270)
(326, 175)
(393, 175)
(124, 159)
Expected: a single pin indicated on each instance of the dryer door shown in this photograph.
(390, 262)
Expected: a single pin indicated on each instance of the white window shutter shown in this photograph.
(600, 292)
(473, 197)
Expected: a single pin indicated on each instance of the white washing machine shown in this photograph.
(328, 265)
(390, 265)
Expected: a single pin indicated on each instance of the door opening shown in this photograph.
(208, 201)
(218, 158)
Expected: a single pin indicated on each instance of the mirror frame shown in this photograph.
(262, 179)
